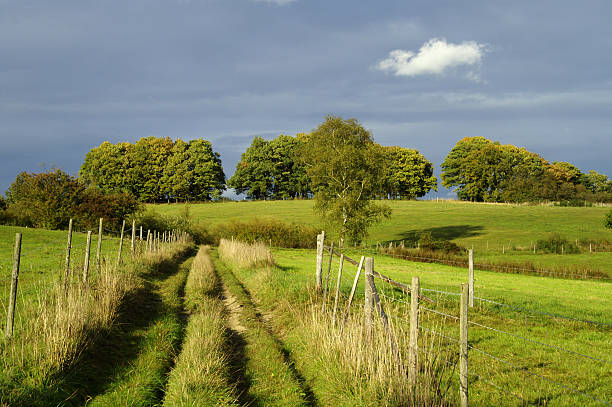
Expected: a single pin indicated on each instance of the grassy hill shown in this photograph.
(496, 232)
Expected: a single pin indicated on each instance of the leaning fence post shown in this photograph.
(471, 276)
(121, 242)
(99, 248)
(369, 271)
(148, 249)
(132, 248)
(414, 332)
(10, 317)
(319, 270)
(86, 262)
(463, 345)
(331, 256)
(67, 262)
(338, 288)
(352, 295)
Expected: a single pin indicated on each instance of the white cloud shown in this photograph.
(435, 57)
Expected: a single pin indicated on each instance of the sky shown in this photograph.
(418, 74)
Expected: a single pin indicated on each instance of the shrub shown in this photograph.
(151, 220)
(427, 242)
(608, 222)
(281, 234)
(555, 243)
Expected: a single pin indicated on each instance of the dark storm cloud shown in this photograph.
(76, 73)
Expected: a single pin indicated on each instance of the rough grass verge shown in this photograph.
(245, 255)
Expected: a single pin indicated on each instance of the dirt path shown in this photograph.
(234, 310)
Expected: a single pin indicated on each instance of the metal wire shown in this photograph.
(530, 373)
(440, 313)
(441, 292)
(439, 334)
(539, 343)
(542, 312)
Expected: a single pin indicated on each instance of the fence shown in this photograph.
(378, 302)
(154, 243)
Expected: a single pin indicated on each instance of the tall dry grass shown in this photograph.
(245, 255)
(361, 368)
(60, 326)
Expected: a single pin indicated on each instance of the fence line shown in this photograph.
(462, 350)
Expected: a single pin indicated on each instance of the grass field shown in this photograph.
(486, 227)
(283, 292)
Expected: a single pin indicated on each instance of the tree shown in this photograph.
(270, 170)
(408, 174)
(345, 167)
(608, 220)
(155, 169)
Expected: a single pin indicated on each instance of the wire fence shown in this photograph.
(398, 304)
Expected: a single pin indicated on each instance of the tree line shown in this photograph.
(487, 171)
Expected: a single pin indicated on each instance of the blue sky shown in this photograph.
(418, 74)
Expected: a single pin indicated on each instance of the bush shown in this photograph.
(427, 242)
(608, 222)
(151, 220)
(555, 243)
(281, 234)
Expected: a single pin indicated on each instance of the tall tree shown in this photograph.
(346, 169)
(408, 174)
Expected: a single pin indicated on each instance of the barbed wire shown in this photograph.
(542, 312)
(539, 343)
(529, 372)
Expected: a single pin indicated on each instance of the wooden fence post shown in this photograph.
(99, 248)
(338, 288)
(121, 242)
(352, 295)
(132, 248)
(369, 271)
(319, 270)
(148, 240)
(471, 277)
(86, 262)
(10, 316)
(463, 345)
(414, 332)
(67, 262)
(326, 289)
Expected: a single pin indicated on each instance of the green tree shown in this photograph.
(346, 171)
(565, 172)
(270, 170)
(608, 220)
(408, 174)
(204, 171)
(108, 167)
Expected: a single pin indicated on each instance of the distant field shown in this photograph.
(486, 227)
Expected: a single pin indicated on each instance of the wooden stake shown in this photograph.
(99, 248)
(67, 262)
(121, 242)
(369, 269)
(10, 317)
(338, 289)
(352, 295)
(319, 269)
(413, 351)
(463, 345)
(471, 276)
(86, 262)
(326, 289)
(132, 248)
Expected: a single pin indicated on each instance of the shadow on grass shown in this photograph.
(441, 233)
(112, 351)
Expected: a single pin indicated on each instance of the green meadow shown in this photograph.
(497, 232)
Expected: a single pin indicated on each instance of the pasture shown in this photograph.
(497, 232)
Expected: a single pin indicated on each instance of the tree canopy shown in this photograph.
(483, 170)
(156, 169)
(346, 170)
(407, 173)
(270, 170)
